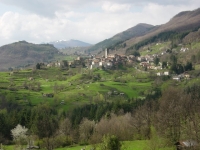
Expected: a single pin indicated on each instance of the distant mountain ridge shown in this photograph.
(182, 22)
(185, 21)
(138, 30)
(60, 44)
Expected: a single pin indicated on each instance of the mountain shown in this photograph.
(138, 30)
(71, 43)
(183, 23)
(22, 53)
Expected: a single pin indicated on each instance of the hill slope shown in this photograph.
(23, 53)
(138, 30)
(183, 21)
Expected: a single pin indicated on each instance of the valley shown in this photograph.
(138, 90)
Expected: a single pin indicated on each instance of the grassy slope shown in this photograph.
(131, 82)
(155, 48)
(127, 145)
(80, 92)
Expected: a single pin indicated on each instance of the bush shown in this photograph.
(110, 142)
(62, 141)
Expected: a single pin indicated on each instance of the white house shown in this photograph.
(177, 78)
(141, 58)
(159, 73)
(166, 73)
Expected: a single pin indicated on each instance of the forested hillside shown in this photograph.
(138, 30)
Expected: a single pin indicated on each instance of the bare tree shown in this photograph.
(86, 129)
(120, 126)
(170, 114)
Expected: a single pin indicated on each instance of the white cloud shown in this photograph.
(84, 20)
(115, 7)
(48, 8)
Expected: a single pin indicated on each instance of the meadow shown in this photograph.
(126, 145)
(72, 87)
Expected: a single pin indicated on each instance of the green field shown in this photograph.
(126, 145)
(155, 48)
(72, 87)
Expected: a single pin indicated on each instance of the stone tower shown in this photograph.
(106, 53)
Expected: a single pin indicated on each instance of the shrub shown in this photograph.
(110, 142)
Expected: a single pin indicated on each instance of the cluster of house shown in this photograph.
(184, 75)
(179, 77)
(54, 64)
(148, 62)
(183, 49)
(109, 61)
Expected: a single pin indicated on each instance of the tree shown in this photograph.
(19, 134)
(164, 64)
(135, 53)
(156, 61)
(44, 124)
(64, 64)
(169, 116)
(45, 121)
(120, 126)
(188, 66)
(86, 129)
(3, 125)
(110, 142)
(173, 59)
(124, 45)
(37, 66)
(156, 142)
(173, 68)
(193, 58)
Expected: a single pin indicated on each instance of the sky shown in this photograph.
(42, 21)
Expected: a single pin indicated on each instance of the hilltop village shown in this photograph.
(116, 61)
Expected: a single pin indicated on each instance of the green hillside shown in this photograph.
(138, 30)
(22, 54)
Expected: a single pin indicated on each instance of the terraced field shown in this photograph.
(72, 87)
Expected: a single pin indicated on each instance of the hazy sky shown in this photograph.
(90, 21)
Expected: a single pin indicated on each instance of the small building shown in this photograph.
(177, 78)
(166, 73)
(183, 49)
(141, 59)
(159, 74)
(93, 66)
(50, 65)
(186, 75)
(108, 65)
(78, 58)
(144, 64)
(57, 64)
(158, 68)
(186, 145)
(111, 55)
(151, 67)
